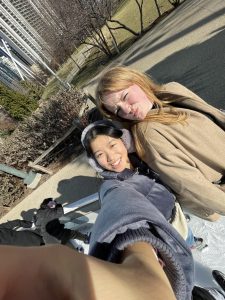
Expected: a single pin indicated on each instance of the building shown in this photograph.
(22, 24)
(14, 66)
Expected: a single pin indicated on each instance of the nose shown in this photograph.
(109, 156)
(125, 107)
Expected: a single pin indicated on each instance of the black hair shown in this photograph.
(45, 202)
(101, 129)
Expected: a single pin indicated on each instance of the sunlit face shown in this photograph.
(110, 153)
(131, 103)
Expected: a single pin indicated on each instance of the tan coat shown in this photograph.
(191, 157)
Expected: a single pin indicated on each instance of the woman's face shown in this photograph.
(131, 103)
(110, 153)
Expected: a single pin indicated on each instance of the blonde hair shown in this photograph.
(119, 78)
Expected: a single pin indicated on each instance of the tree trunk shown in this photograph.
(157, 7)
(113, 39)
(140, 7)
(75, 62)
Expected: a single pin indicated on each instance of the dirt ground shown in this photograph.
(65, 157)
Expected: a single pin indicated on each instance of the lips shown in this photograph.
(116, 163)
(135, 113)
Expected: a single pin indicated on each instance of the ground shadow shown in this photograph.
(200, 67)
(148, 46)
(160, 37)
(76, 188)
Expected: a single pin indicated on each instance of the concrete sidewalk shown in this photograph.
(187, 46)
(73, 182)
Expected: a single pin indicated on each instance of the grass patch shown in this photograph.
(51, 88)
(128, 14)
(87, 72)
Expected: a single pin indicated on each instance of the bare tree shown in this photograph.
(76, 20)
(140, 8)
(92, 22)
(88, 22)
(121, 25)
(157, 7)
(60, 32)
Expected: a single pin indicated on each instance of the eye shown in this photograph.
(125, 97)
(117, 111)
(113, 145)
(97, 156)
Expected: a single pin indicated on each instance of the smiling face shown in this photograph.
(131, 103)
(110, 153)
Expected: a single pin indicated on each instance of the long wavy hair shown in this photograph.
(119, 78)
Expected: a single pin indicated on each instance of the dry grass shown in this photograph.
(128, 14)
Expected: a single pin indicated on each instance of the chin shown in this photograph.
(141, 118)
(119, 169)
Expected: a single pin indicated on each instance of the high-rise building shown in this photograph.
(22, 25)
(14, 65)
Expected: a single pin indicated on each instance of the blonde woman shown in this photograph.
(176, 133)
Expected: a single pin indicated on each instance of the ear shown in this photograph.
(93, 163)
(128, 141)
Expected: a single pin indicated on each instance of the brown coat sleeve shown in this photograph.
(179, 172)
(194, 102)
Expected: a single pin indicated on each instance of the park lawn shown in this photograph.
(128, 14)
(51, 88)
(66, 69)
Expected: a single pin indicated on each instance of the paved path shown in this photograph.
(76, 180)
(188, 46)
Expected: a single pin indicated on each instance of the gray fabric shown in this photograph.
(127, 216)
(156, 193)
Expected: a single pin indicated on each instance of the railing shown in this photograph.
(80, 203)
(76, 124)
(83, 223)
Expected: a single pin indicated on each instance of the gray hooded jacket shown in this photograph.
(127, 216)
